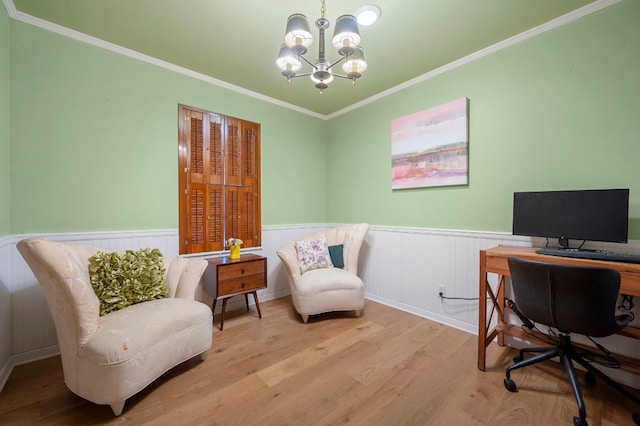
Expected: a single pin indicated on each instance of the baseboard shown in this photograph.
(450, 322)
(35, 355)
(25, 358)
(7, 368)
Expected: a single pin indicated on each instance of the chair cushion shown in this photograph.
(123, 279)
(125, 334)
(313, 254)
(327, 279)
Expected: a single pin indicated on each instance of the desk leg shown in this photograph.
(486, 336)
(482, 316)
(500, 306)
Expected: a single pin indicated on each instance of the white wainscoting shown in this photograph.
(401, 267)
(5, 310)
(27, 332)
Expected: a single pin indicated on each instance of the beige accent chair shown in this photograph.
(107, 359)
(327, 289)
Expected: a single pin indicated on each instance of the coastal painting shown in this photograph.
(429, 148)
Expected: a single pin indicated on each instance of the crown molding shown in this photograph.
(85, 38)
(554, 23)
(557, 22)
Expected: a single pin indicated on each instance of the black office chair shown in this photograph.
(571, 299)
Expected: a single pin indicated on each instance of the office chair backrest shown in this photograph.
(572, 299)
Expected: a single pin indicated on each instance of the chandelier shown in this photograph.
(346, 39)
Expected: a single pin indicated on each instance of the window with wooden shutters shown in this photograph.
(219, 181)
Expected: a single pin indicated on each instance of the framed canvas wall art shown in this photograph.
(429, 148)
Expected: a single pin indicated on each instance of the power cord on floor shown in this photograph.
(442, 296)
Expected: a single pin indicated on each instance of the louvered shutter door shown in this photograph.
(250, 200)
(233, 152)
(215, 150)
(232, 213)
(219, 170)
(215, 216)
(196, 219)
(194, 190)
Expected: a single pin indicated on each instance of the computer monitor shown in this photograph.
(588, 215)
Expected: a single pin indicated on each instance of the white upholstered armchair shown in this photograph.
(327, 289)
(107, 359)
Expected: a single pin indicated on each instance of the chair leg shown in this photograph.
(608, 380)
(117, 407)
(573, 379)
(551, 353)
(358, 312)
(204, 355)
(536, 350)
(305, 318)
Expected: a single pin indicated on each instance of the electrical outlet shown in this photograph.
(442, 290)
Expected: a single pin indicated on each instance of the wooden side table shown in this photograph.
(233, 277)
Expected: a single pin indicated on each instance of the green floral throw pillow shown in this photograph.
(122, 279)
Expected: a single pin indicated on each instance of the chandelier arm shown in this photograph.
(307, 61)
(342, 58)
(306, 74)
(343, 76)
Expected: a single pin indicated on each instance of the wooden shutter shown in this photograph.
(215, 180)
(215, 223)
(192, 199)
(233, 152)
(219, 184)
(232, 212)
(250, 195)
(216, 172)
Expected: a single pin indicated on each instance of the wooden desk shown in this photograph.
(494, 261)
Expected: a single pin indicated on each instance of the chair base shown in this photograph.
(305, 317)
(567, 355)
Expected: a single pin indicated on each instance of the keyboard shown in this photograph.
(592, 254)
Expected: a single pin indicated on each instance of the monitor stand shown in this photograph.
(563, 243)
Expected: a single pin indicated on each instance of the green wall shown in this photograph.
(94, 135)
(559, 111)
(4, 123)
(94, 141)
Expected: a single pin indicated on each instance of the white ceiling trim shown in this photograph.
(562, 20)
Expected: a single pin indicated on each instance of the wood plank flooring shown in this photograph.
(387, 367)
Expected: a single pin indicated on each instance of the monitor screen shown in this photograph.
(594, 215)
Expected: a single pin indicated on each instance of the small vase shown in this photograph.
(235, 252)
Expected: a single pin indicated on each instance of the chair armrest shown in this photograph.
(183, 276)
(289, 256)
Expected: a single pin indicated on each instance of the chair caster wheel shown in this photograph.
(577, 421)
(510, 385)
(517, 359)
(590, 378)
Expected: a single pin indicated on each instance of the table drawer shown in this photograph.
(240, 284)
(241, 269)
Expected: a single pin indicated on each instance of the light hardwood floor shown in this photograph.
(385, 368)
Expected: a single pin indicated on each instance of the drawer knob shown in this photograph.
(242, 271)
(244, 284)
